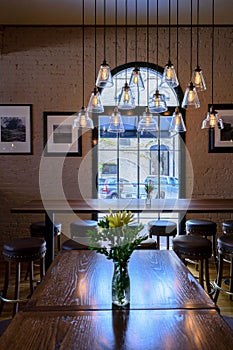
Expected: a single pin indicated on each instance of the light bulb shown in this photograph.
(135, 79)
(191, 96)
(169, 74)
(156, 101)
(104, 73)
(95, 100)
(83, 121)
(212, 120)
(177, 120)
(148, 120)
(126, 95)
(197, 78)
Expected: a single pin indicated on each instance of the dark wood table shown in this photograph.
(71, 308)
(182, 206)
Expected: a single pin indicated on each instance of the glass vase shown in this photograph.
(148, 200)
(120, 284)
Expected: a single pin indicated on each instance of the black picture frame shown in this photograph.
(221, 141)
(60, 138)
(15, 129)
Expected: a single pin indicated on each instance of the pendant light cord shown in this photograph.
(104, 30)
(83, 70)
(116, 97)
(157, 38)
(191, 38)
(212, 67)
(126, 36)
(147, 47)
(95, 40)
(136, 31)
(197, 33)
(169, 30)
(177, 36)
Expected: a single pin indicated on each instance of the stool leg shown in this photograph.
(219, 277)
(31, 269)
(231, 278)
(168, 242)
(158, 242)
(6, 283)
(207, 276)
(201, 270)
(59, 243)
(42, 268)
(17, 287)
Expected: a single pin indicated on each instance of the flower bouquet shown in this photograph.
(117, 237)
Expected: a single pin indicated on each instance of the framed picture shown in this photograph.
(60, 138)
(221, 140)
(16, 129)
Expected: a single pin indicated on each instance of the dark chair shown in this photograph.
(163, 228)
(70, 244)
(198, 249)
(17, 251)
(203, 228)
(37, 229)
(225, 253)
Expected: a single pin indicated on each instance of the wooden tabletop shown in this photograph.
(71, 308)
(81, 280)
(135, 205)
(118, 330)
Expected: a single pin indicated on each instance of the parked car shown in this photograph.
(169, 186)
(110, 190)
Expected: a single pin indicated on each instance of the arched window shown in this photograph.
(133, 157)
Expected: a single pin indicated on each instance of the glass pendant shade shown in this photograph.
(126, 100)
(136, 80)
(104, 78)
(83, 120)
(95, 103)
(169, 75)
(190, 100)
(147, 122)
(116, 124)
(198, 79)
(212, 120)
(157, 103)
(177, 122)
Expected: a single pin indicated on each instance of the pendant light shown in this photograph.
(95, 104)
(83, 120)
(126, 99)
(212, 119)
(136, 80)
(104, 78)
(177, 122)
(191, 100)
(147, 121)
(157, 103)
(169, 74)
(198, 78)
(116, 124)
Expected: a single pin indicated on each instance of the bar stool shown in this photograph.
(161, 228)
(204, 228)
(70, 244)
(37, 229)
(227, 226)
(79, 228)
(225, 251)
(22, 250)
(198, 249)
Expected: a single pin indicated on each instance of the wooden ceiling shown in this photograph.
(69, 12)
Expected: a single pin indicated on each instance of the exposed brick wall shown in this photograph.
(43, 66)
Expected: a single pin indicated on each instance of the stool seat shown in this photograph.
(70, 244)
(225, 251)
(79, 228)
(204, 228)
(160, 228)
(149, 243)
(26, 249)
(192, 246)
(197, 248)
(227, 226)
